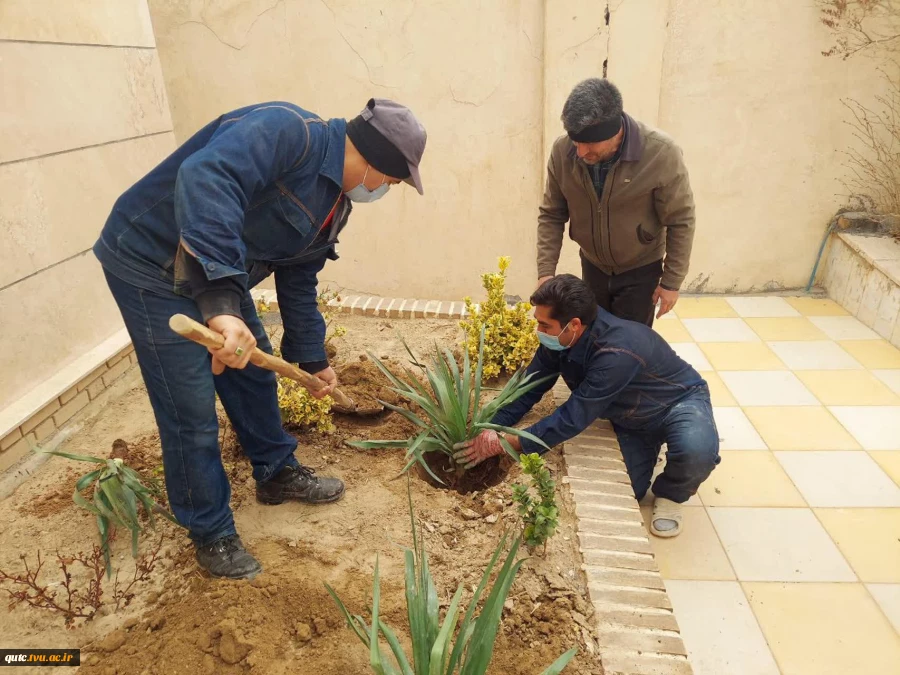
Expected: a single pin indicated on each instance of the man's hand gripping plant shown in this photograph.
(451, 412)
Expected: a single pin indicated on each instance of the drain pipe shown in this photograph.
(828, 231)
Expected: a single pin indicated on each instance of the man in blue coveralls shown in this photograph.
(264, 189)
(622, 371)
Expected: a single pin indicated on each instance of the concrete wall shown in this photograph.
(757, 110)
(741, 86)
(471, 71)
(84, 115)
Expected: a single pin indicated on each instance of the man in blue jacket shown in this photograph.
(264, 189)
(624, 372)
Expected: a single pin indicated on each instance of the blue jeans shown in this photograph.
(183, 390)
(689, 430)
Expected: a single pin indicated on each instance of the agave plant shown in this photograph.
(440, 648)
(118, 490)
(452, 412)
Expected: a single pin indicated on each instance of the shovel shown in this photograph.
(192, 330)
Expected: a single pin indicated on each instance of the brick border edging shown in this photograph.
(43, 424)
(637, 630)
(636, 627)
(388, 308)
(59, 411)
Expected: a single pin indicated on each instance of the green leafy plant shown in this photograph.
(540, 515)
(452, 411)
(324, 300)
(510, 332)
(118, 493)
(440, 648)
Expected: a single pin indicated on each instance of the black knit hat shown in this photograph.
(378, 151)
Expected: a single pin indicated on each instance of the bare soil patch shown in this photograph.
(182, 621)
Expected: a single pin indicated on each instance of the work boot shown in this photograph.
(300, 483)
(227, 557)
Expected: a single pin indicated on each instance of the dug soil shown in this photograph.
(181, 621)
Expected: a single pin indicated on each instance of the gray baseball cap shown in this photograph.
(399, 126)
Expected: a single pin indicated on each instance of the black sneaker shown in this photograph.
(300, 483)
(227, 557)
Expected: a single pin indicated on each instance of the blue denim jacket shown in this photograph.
(619, 370)
(245, 196)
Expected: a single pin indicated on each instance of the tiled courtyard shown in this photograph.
(790, 558)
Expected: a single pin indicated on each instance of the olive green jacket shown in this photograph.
(646, 212)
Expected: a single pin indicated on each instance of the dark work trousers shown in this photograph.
(628, 295)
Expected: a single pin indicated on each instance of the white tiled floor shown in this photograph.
(790, 560)
(719, 629)
(840, 478)
(844, 328)
(767, 388)
(888, 598)
(890, 377)
(875, 427)
(767, 544)
(735, 430)
(800, 355)
(720, 330)
(692, 354)
(762, 307)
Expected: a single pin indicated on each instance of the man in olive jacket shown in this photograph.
(624, 190)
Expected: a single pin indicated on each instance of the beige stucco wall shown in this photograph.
(472, 71)
(741, 86)
(757, 111)
(83, 115)
(90, 97)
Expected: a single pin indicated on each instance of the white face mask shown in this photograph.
(363, 194)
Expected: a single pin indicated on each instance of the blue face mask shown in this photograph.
(363, 194)
(552, 341)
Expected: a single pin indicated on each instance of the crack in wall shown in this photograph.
(246, 34)
(355, 50)
(472, 103)
(583, 42)
(606, 17)
(539, 59)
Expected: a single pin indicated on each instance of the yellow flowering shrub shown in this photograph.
(299, 407)
(510, 337)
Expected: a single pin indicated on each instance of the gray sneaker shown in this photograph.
(227, 557)
(301, 484)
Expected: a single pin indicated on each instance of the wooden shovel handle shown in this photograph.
(197, 332)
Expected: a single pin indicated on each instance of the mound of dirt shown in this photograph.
(284, 622)
(489, 473)
(365, 384)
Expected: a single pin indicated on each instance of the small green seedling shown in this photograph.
(118, 490)
(540, 515)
